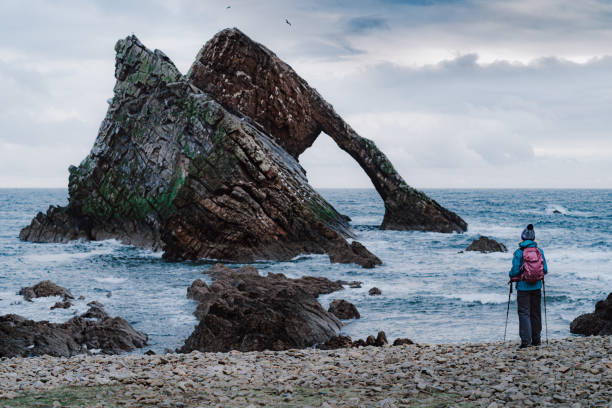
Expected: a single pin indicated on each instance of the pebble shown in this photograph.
(570, 372)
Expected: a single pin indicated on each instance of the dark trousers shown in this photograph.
(530, 315)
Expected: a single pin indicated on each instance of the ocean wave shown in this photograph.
(110, 279)
(482, 298)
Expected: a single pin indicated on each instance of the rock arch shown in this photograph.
(247, 78)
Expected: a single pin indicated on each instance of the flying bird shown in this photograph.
(228, 7)
(287, 21)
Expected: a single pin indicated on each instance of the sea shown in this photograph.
(432, 291)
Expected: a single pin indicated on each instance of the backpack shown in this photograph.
(532, 269)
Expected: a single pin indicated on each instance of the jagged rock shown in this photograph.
(598, 323)
(337, 342)
(43, 289)
(343, 309)
(247, 77)
(95, 311)
(357, 254)
(374, 291)
(61, 305)
(171, 168)
(402, 341)
(341, 341)
(486, 244)
(27, 338)
(244, 311)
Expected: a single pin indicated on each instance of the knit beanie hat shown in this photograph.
(528, 233)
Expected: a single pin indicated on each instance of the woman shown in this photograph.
(529, 266)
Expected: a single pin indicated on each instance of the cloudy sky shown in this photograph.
(476, 93)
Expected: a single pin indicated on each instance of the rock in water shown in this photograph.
(247, 77)
(43, 289)
(20, 337)
(343, 309)
(598, 323)
(244, 311)
(486, 244)
(171, 168)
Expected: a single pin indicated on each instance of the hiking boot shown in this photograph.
(535, 344)
(523, 346)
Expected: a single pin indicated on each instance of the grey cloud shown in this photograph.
(364, 24)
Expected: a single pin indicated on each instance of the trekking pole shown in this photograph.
(545, 318)
(508, 310)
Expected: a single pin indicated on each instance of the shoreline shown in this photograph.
(566, 372)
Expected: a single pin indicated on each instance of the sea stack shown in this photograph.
(183, 164)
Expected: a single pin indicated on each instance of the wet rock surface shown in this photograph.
(374, 291)
(172, 169)
(343, 309)
(242, 310)
(567, 373)
(597, 323)
(244, 76)
(27, 338)
(486, 244)
(44, 289)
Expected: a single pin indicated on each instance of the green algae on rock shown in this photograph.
(172, 169)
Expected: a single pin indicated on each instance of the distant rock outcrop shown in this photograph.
(44, 289)
(486, 244)
(244, 311)
(343, 309)
(598, 323)
(20, 337)
(205, 165)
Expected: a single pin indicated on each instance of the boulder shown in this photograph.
(242, 310)
(486, 244)
(598, 323)
(343, 309)
(61, 305)
(171, 168)
(401, 341)
(245, 76)
(20, 337)
(43, 289)
(374, 291)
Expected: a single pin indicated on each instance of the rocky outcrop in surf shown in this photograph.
(205, 165)
(20, 337)
(244, 76)
(44, 289)
(598, 323)
(242, 310)
(486, 245)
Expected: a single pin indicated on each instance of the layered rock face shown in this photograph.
(598, 323)
(247, 77)
(244, 311)
(172, 169)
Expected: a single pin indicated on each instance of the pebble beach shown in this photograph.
(571, 372)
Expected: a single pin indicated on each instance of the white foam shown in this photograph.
(110, 279)
(551, 208)
(64, 257)
(483, 298)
